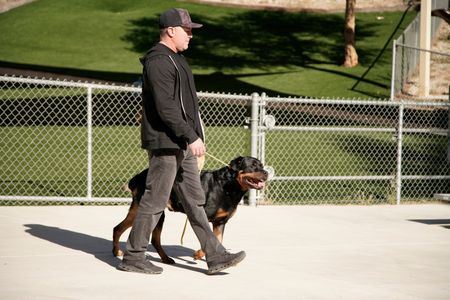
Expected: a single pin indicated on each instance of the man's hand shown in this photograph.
(197, 148)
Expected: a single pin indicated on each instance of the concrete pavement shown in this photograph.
(293, 252)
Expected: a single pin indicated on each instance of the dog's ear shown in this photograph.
(235, 164)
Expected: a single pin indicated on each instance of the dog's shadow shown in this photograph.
(100, 247)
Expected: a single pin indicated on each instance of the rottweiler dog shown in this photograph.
(224, 189)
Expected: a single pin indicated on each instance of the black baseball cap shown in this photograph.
(176, 17)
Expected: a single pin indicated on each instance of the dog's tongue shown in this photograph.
(261, 184)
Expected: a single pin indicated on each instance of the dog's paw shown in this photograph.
(199, 254)
(167, 260)
(117, 252)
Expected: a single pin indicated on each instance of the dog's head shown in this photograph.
(250, 173)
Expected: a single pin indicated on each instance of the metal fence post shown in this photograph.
(394, 62)
(262, 133)
(254, 140)
(399, 153)
(89, 143)
(261, 138)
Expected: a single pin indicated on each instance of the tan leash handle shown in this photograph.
(184, 231)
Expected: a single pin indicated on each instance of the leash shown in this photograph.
(184, 231)
(216, 159)
(185, 222)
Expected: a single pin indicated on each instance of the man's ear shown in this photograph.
(170, 31)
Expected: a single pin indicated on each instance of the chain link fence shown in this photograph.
(355, 152)
(406, 53)
(70, 143)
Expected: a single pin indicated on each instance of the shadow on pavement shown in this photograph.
(101, 248)
(443, 222)
(75, 240)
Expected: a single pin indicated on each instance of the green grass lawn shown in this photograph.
(238, 50)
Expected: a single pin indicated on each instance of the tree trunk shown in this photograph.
(350, 55)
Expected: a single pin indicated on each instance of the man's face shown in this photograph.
(181, 37)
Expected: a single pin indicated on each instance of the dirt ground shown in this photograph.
(6, 5)
(440, 66)
(309, 5)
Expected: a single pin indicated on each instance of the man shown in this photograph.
(172, 134)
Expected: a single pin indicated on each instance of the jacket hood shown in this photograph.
(156, 50)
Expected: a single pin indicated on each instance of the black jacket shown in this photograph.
(170, 116)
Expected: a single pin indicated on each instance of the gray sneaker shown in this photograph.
(139, 266)
(225, 261)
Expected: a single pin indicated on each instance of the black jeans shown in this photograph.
(160, 179)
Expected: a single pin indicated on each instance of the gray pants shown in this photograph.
(160, 179)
